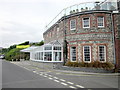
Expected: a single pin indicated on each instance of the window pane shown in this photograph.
(73, 53)
(41, 55)
(57, 56)
(57, 48)
(48, 56)
(48, 48)
(100, 21)
(102, 53)
(85, 22)
(87, 53)
(73, 24)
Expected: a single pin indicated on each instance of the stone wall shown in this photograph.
(93, 36)
(46, 65)
(116, 19)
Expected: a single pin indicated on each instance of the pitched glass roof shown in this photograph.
(40, 48)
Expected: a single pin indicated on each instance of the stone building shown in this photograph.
(88, 32)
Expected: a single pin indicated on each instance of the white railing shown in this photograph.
(84, 7)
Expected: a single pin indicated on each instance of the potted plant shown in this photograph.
(73, 11)
(77, 10)
(82, 9)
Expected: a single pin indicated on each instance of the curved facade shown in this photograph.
(90, 35)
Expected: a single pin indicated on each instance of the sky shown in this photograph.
(25, 20)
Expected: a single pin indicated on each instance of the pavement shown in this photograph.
(23, 74)
(27, 63)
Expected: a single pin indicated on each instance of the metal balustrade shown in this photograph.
(104, 5)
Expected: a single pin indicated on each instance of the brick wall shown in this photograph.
(93, 36)
(117, 53)
(116, 19)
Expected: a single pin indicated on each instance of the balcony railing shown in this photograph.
(106, 5)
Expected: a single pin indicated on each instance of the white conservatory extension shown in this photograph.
(51, 52)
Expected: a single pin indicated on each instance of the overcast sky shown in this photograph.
(25, 20)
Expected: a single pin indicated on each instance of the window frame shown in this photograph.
(83, 22)
(104, 53)
(72, 55)
(89, 53)
(102, 22)
(46, 48)
(75, 24)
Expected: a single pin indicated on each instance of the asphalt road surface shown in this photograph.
(17, 77)
(26, 76)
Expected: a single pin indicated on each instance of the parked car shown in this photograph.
(2, 56)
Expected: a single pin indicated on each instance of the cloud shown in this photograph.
(16, 32)
(22, 20)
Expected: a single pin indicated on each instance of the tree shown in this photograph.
(12, 54)
(40, 43)
(25, 43)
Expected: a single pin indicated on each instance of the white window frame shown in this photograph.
(83, 22)
(75, 24)
(104, 53)
(102, 22)
(71, 54)
(84, 55)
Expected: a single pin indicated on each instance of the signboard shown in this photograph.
(22, 46)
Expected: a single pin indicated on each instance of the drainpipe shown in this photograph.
(113, 32)
(64, 44)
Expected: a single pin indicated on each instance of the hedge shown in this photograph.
(95, 64)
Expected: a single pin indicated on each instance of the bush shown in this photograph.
(95, 64)
(82, 64)
(73, 64)
(13, 54)
(108, 66)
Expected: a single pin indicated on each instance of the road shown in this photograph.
(26, 76)
(17, 77)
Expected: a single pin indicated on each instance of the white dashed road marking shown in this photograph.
(50, 75)
(70, 82)
(34, 71)
(72, 87)
(44, 76)
(56, 81)
(62, 80)
(50, 78)
(80, 86)
(55, 77)
(64, 83)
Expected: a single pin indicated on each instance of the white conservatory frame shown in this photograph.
(51, 52)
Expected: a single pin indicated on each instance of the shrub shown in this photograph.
(12, 54)
(95, 64)
(68, 63)
(109, 66)
(73, 64)
(90, 64)
(81, 64)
